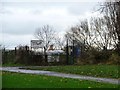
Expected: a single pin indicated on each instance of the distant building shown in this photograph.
(51, 47)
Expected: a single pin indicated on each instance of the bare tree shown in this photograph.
(59, 42)
(101, 33)
(47, 35)
(111, 10)
(92, 34)
(81, 34)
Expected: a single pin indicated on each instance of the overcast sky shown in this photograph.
(20, 18)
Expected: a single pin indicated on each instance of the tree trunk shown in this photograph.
(45, 55)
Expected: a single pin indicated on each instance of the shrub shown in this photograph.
(114, 59)
(8, 56)
(94, 56)
(102, 56)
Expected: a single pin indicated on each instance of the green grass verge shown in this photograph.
(108, 71)
(12, 65)
(17, 80)
(0, 80)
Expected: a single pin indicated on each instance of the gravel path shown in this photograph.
(50, 73)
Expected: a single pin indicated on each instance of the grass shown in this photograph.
(108, 71)
(12, 65)
(18, 80)
(0, 83)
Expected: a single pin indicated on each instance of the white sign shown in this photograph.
(37, 44)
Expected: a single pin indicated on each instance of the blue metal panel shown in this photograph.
(77, 51)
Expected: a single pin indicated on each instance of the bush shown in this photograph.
(94, 56)
(114, 59)
(89, 57)
(102, 56)
(8, 56)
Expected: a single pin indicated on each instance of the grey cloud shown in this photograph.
(34, 7)
(24, 28)
(5, 11)
(80, 8)
(27, 26)
(38, 11)
(38, 7)
(17, 28)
